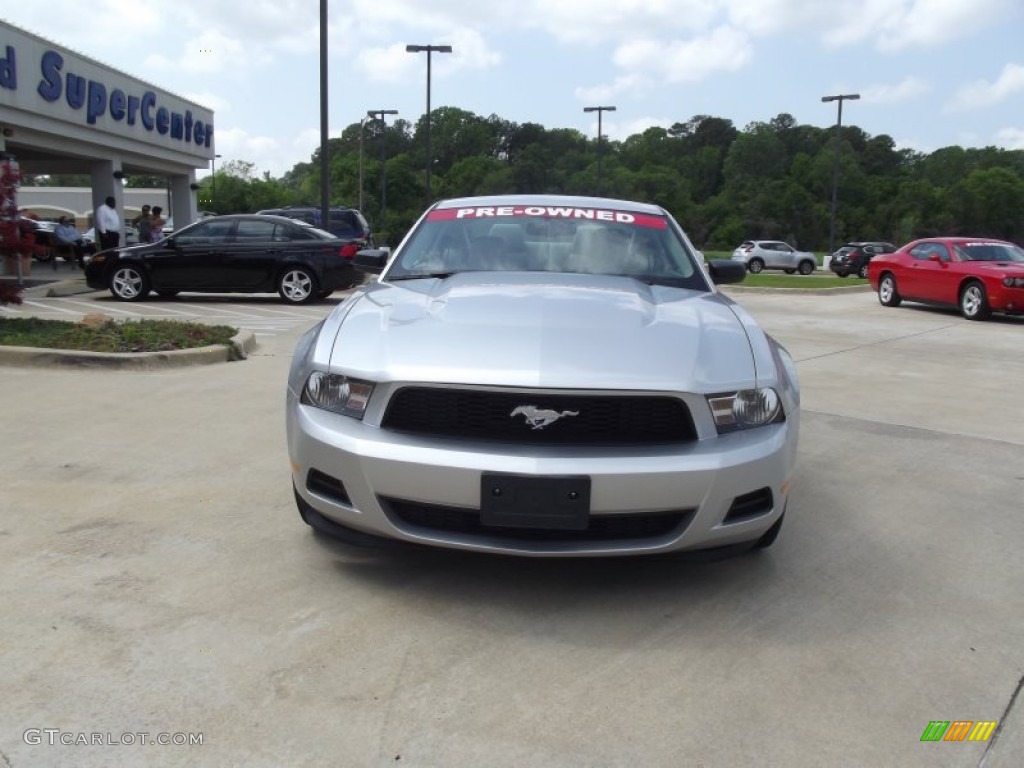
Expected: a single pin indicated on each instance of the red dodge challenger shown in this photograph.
(978, 275)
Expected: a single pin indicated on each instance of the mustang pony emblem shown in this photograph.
(539, 418)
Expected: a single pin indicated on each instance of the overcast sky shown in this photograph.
(931, 73)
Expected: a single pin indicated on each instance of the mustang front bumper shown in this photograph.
(709, 493)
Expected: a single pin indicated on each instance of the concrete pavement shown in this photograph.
(155, 577)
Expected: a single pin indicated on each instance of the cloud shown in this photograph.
(594, 22)
(621, 131)
(981, 93)
(603, 93)
(928, 22)
(268, 153)
(894, 25)
(1011, 138)
(907, 89)
(210, 52)
(210, 100)
(725, 49)
(392, 64)
(768, 17)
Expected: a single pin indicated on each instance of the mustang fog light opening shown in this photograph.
(334, 392)
(745, 409)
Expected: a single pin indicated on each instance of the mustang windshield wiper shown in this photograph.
(423, 276)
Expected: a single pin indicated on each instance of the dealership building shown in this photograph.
(64, 113)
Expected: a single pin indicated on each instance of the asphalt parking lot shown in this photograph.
(156, 579)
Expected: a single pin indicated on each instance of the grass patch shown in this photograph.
(765, 280)
(110, 336)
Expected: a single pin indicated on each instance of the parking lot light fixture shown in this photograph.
(835, 165)
(375, 113)
(428, 49)
(600, 111)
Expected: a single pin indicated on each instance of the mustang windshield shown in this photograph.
(541, 239)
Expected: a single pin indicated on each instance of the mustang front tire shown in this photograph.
(297, 285)
(974, 302)
(129, 283)
(887, 293)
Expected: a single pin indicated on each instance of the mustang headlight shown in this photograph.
(334, 392)
(745, 409)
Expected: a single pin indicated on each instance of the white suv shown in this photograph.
(774, 254)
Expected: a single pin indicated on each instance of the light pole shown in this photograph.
(600, 111)
(383, 172)
(213, 183)
(429, 49)
(361, 124)
(835, 165)
(325, 189)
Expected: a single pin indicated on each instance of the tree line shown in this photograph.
(770, 180)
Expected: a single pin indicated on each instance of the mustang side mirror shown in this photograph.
(371, 260)
(726, 271)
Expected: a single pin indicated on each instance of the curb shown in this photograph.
(237, 349)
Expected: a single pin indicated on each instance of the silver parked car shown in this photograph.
(543, 376)
(759, 255)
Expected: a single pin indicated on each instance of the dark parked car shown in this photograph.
(346, 223)
(853, 258)
(243, 253)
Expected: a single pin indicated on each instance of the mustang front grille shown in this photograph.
(540, 419)
(651, 525)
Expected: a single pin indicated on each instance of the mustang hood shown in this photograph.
(541, 330)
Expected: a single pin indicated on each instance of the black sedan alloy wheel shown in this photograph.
(129, 283)
(297, 285)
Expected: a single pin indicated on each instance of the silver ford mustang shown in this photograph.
(543, 376)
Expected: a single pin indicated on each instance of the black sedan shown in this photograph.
(232, 254)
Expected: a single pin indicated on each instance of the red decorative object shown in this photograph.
(17, 235)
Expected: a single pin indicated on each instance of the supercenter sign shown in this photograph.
(37, 77)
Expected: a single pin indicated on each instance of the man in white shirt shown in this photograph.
(108, 224)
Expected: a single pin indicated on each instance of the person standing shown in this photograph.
(156, 226)
(108, 224)
(143, 224)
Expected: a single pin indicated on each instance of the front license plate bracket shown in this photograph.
(524, 501)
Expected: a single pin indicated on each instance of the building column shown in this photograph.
(183, 198)
(105, 184)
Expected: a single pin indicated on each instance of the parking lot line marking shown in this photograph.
(50, 307)
(281, 312)
(140, 311)
(89, 307)
(214, 309)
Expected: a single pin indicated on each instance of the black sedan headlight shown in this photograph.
(745, 409)
(338, 393)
